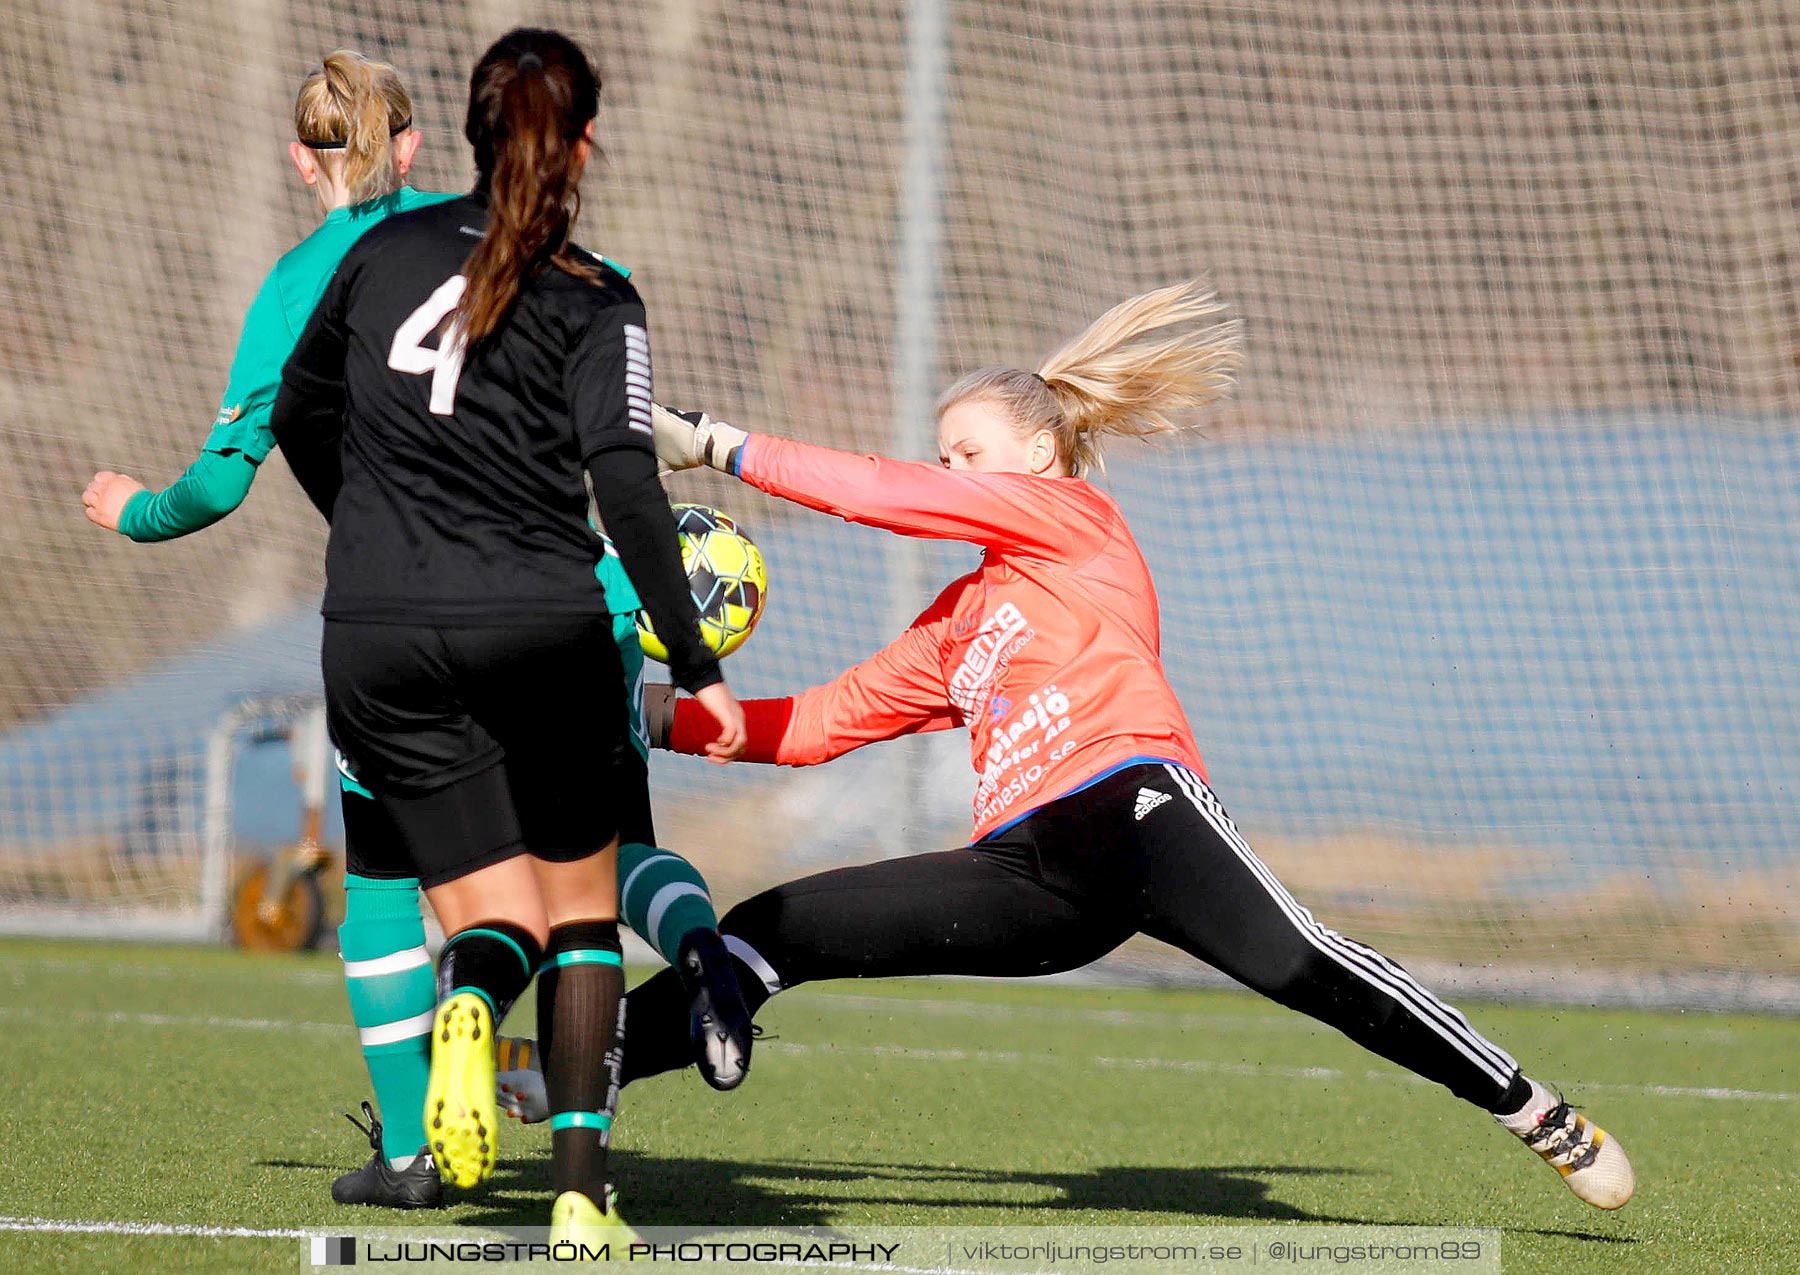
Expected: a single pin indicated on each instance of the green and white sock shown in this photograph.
(662, 897)
(393, 994)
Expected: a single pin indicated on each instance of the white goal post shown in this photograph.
(178, 889)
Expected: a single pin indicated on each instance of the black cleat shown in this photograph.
(718, 1022)
(417, 1186)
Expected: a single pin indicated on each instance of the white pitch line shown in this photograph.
(908, 1051)
(1331, 1073)
(1687, 1091)
(1225, 1068)
(58, 1226)
(120, 1016)
(1086, 1013)
(1176, 1020)
(1273, 1071)
(924, 1004)
(905, 1052)
(153, 970)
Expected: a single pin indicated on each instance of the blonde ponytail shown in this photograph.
(1138, 369)
(349, 111)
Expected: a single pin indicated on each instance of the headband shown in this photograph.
(395, 131)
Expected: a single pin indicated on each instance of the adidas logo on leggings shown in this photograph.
(1148, 799)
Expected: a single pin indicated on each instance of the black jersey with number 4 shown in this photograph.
(454, 479)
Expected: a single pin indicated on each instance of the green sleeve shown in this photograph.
(219, 479)
(212, 487)
(242, 426)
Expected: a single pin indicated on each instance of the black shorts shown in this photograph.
(481, 743)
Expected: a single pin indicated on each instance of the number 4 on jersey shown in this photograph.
(445, 363)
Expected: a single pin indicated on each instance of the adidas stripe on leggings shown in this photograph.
(1147, 850)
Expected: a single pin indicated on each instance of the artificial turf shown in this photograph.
(193, 1087)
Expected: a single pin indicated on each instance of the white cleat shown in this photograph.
(1591, 1161)
(521, 1095)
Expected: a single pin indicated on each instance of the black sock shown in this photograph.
(656, 1021)
(581, 992)
(1513, 1101)
(494, 958)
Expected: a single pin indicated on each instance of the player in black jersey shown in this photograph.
(466, 371)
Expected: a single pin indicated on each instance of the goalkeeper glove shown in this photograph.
(685, 440)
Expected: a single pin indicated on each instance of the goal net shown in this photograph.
(1483, 594)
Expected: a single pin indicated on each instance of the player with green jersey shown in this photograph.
(353, 119)
(220, 477)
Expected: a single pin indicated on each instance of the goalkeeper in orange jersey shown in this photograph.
(354, 145)
(1093, 817)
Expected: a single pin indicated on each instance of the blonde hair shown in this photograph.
(1136, 370)
(356, 107)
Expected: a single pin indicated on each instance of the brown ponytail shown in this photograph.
(531, 98)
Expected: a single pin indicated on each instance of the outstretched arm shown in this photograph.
(897, 691)
(1016, 513)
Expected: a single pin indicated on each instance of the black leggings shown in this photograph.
(1146, 850)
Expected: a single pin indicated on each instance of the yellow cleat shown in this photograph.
(461, 1120)
(577, 1220)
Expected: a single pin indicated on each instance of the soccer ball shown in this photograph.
(726, 575)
